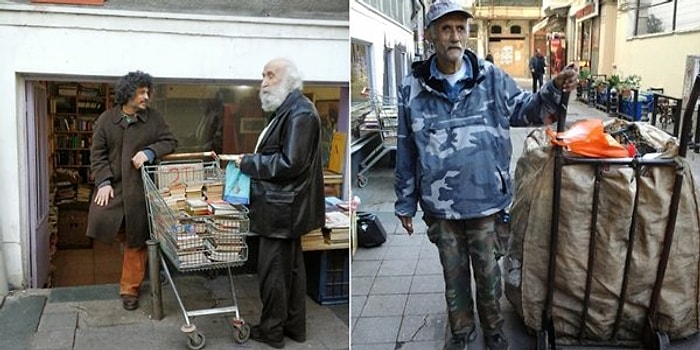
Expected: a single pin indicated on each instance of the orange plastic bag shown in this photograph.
(587, 138)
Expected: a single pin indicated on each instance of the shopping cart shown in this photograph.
(385, 110)
(192, 242)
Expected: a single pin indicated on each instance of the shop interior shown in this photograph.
(221, 117)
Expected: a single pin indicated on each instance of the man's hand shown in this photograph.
(407, 223)
(104, 194)
(139, 159)
(567, 79)
(237, 160)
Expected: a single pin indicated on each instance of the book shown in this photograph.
(220, 207)
(196, 206)
(337, 219)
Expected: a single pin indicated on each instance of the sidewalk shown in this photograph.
(91, 317)
(398, 289)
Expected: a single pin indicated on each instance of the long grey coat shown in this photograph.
(114, 143)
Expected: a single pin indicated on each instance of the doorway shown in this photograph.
(71, 108)
(510, 55)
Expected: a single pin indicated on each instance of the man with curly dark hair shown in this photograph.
(126, 137)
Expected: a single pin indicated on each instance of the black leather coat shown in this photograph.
(286, 174)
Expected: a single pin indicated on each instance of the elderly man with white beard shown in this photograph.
(286, 200)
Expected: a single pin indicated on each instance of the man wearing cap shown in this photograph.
(453, 157)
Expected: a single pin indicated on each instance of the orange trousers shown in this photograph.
(133, 268)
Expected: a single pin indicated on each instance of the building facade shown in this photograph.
(504, 29)
(192, 51)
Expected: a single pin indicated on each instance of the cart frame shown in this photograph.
(166, 226)
(386, 110)
(652, 336)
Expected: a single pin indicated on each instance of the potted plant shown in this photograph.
(614, 82)
(630, 82)
(583, 76)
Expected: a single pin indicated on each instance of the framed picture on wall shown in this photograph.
(328, 113)
(311, 96)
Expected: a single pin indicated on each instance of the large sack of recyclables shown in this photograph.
(527, 263)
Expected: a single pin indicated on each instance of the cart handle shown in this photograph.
(190, 156)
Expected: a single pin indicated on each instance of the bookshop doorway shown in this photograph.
(64, 116)
(223, 116)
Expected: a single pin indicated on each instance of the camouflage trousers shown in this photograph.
(464, 244)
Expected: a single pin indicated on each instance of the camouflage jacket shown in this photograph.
(453, 148)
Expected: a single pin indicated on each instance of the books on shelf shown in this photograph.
(68, 89)
(337, 219)
(324, 239)
(84, 193)
(338, 235)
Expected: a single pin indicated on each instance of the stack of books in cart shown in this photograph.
(212, 231)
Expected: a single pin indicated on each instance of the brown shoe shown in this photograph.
(130, 302)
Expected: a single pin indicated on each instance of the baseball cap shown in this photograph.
(442, 7)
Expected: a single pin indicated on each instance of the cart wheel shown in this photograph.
(241, 334)
(542, 340)
(196, 340)
(662, 342)
(361, 181)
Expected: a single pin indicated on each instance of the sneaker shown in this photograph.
(459, 341)
(257, 335)
(496, 342)
(471, 336)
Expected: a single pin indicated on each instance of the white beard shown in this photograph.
(272, 98)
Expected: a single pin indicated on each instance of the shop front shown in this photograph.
(550, 33)
(587, 23)
(207, 71)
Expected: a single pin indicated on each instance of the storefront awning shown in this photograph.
(552, 13)
(540, 25)
(556, 10)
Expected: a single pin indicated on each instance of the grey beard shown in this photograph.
(272, 99)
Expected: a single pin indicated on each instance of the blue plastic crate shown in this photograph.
(328, 276)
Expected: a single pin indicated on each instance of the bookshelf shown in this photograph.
(73, 109)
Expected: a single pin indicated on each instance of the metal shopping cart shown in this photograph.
(385, 122)
(193, 242)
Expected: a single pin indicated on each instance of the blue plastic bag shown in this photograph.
(237, 187)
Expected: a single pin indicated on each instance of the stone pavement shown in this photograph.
(91, 317)
(398, 288)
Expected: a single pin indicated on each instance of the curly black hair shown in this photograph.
(127, 85)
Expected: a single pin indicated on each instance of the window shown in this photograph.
(398, 10)
(665, 16)
(515, 30)
(361, 71)
(496, 29)
(225, 117)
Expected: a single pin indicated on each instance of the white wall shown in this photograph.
(660, 59)
(45, 41)
(372, 27)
